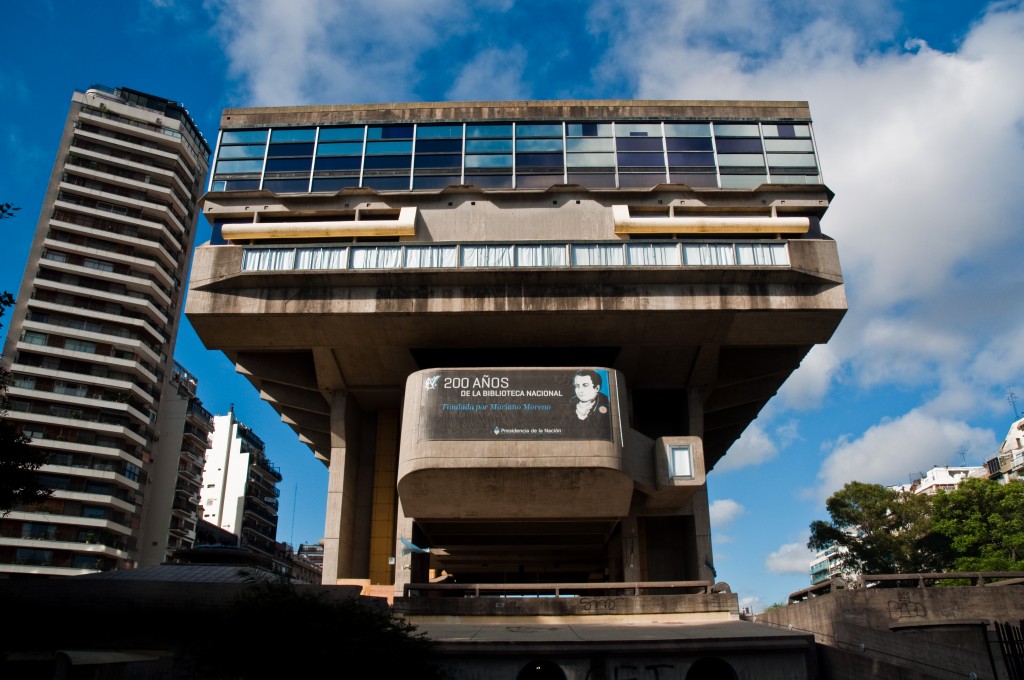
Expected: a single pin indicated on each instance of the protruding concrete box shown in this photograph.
(522, 459)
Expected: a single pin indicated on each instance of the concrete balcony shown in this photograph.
(91, 473)
(167, 176)
(96, 425)
(140, 242)
(135, 281)
(71, 520)
(158, 194)
(114, 210)
(151, 310)
(122, 385)
(128, 348)
(174, 154)
(96, 312)
(144, 266)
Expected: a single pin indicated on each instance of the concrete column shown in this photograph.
(339, 527)
(701, 511)
(631, 558)
(403, 563)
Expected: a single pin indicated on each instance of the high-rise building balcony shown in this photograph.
(62, 246)
(93, 231)
(105, 270)
(26, 412)
(73, 200)
(27, 373)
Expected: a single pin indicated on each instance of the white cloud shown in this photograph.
(755, 446)
(923, 149)
(754, 603)
(723, 511)
(887, 452)
(492, 75)
(321, 51)
(790, 558)
(806, 387)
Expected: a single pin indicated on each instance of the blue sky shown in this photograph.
(919, 119)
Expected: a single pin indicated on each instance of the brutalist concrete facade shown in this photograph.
(363, 255)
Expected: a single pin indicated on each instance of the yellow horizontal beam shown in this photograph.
(706, 224)
(405, 225)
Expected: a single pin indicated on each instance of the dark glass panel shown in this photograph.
(537, 181)
(286, 186)
(289, 164)
(642, 179)
(388, 162)
(690, 160)
(638, 143)
(593, 180)
(434, 181)
(539, 160)
(641, 160)
(738, 145)
(338, 163)
(794, 170)
(786, 130)
(438, 146)
(332, 184)
(387, 183)
(491, 181)
(389, 132)
(689, 144)
(694, 179)
(439, 161)
(741, 170)
(242, 185)
(538, 130)
(275, 150)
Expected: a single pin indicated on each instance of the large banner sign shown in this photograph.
(496, 404)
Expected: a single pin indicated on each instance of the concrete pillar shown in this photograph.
(339, 528)
(701, 511)
(385, 497)
(631, 558)
(403, 563)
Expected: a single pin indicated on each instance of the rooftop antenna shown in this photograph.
(963, 454)
(1012, 398)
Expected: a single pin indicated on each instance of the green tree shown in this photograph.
(984, 522)
(883, 531)
(19, 483)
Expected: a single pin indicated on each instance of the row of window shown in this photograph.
(515, 155)
(508, 255)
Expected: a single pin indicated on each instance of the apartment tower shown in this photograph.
(91, 339)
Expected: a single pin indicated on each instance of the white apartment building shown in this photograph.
(240, 491)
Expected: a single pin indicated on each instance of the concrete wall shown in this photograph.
(899, 632)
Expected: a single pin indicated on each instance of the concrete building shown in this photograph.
(940, 478)
(91, 339)
(239, 491)
(1008, 464)
(170, 516)
(519, 334)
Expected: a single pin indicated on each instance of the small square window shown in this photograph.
(680, 462)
